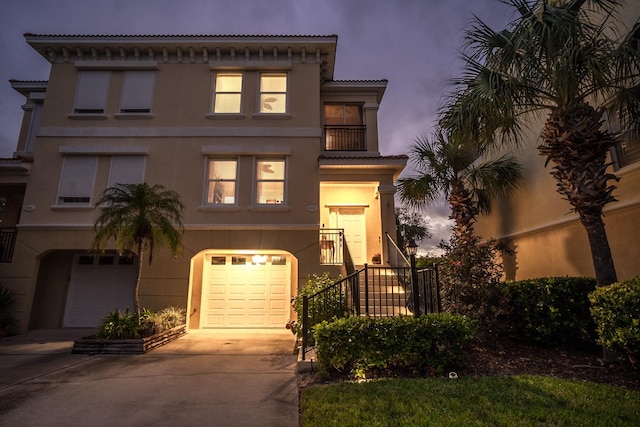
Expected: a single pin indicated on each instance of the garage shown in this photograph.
(99, 284)
(245, 291)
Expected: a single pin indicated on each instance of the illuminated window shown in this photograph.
(270, 181)
(273, 93)
(228, 93)
(221, 181)
(342, 114)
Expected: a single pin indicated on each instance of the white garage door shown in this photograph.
(98, 286)
(243, 291)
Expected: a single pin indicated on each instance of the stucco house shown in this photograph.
(548, 238)
(277, 163)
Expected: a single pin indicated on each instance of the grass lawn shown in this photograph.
(489, 401)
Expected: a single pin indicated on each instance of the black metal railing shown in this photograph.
(331, 245)
(7, 243)
(373, 291)
(335, 301)
(344, 138)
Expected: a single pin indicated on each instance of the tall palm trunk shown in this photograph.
(463, 209)
(578, 148)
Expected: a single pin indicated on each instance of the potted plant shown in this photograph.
(376, 259)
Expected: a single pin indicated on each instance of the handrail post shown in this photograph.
(366, 289)
(414, 285)
(305, 325)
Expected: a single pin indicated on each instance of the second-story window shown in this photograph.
(344, 129)
(77, 180)
(270, 181)
(273, 93)
(137, 91)
(228, 93)
(126, 170)
(91, 95)
(221, 181)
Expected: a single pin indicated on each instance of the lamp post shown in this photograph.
(412, 250)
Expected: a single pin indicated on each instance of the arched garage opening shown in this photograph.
(241, 289)
(76, 289)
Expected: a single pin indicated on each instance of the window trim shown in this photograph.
(266, 114)
(208, 181)
(214, 83)
(285, 181)
(150, 81)
(59, 202)
(81, 93)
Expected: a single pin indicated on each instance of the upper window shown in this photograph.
(91, 95)
(228, 93)
(273, 92)
(270, 181)
(76, 182)
(344, 129)
(342, 114)
(221, 181)
(126, 170)
(137, 91)
(628, 150)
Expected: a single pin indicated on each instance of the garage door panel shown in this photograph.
(278, 290)
(254, 295)
(97, 289)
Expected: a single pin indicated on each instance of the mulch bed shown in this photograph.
(506, 358)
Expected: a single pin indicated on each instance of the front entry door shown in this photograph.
(351, 219)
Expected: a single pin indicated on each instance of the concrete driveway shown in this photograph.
(205, 378)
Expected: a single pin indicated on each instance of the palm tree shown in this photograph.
(446, 167)
(139, 217)
(560, 57)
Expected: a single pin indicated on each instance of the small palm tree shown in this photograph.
(139, 217)
(445, 166)
(562, 58)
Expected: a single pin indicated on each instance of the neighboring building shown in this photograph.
(272, 157)
(548, 238)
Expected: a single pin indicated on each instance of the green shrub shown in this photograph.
(548, 311)
(125, 325)
(361, 344)
(469, 277)
(330, 304)
(616, 311)
(119, 325)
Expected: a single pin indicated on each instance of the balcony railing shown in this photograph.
(7, 243)
(331, 246)
(344, 138)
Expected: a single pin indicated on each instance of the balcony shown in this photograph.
(344, 138)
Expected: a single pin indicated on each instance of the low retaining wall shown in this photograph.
(131, 346)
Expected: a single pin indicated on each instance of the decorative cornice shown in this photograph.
(203, 49)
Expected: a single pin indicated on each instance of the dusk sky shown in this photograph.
(412, 43)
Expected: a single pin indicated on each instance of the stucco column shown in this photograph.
(386, 194)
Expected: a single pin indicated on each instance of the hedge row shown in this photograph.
(616, 310)
(361, 344)
(548, 311)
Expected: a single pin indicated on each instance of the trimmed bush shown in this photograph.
(548, 311)
(124, 324)
(361, 344)
(616, 311)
